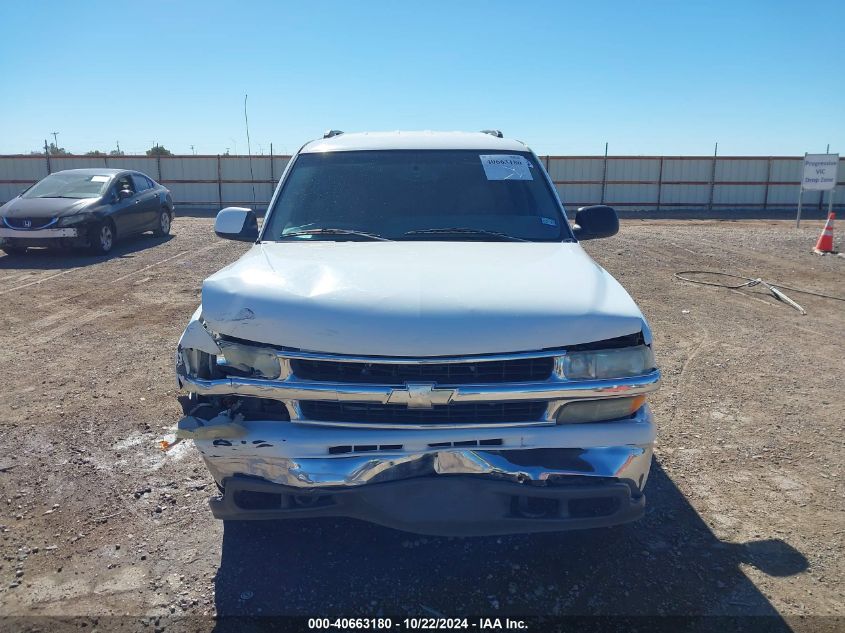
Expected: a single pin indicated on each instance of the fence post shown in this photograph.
(712, 179)
(659, 182)
(219, 183)
(768, 179)
(604, 174)
(272, 173)
(158, 166)
(47, 156)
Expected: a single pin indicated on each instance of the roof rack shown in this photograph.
(331, 133)
(496, 133)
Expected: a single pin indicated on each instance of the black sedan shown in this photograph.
(85, 207)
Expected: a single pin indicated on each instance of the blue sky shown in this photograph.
(760, 77)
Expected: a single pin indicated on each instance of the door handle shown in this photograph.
(137, 202)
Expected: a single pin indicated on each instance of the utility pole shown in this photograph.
(55, 139)
(192, 150)
(118, 147)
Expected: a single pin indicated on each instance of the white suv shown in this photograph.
(416, 338)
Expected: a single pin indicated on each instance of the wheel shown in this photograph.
(102, 237)
(163, 226)
(13, 250)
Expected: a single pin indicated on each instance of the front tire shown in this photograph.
(164, 222)
(102, 238)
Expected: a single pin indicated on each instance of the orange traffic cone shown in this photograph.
(825, 243)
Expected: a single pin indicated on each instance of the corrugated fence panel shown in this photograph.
(240, 194)
(561, 169)
(237, 168)
(145, 164)
(579, 195)
(633, 169)
(751, 195)
(22, 169)
(687, 170)
(630, 182)
(688, 195)
(189, 168)
(788, 170)
(631, 195)
(748, 170)
(194, 194)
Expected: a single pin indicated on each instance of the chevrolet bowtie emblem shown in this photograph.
(420, 395)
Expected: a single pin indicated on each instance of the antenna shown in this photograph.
(249, 151)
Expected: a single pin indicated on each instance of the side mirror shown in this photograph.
(592, 223)
(123, 194)
(237, 223)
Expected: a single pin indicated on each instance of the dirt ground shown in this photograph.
(746, 505)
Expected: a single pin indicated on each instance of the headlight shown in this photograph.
(72, 220)
(258, 360)
(608, 363)
(599, 410)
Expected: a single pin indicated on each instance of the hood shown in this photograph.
(418, 298)
(45, 207)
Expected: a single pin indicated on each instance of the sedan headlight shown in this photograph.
(608, 363)
(73, 220)
(599, 410)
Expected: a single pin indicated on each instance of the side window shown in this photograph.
(141, 183)
(124, 182)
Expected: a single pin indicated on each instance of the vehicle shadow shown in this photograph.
(61, 258)
(667, 564)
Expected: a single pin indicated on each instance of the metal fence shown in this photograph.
(633, 183)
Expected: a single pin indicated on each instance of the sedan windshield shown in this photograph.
(69, 185)
(416, 195)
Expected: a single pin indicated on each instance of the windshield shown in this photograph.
(69, 185)
(421, 195)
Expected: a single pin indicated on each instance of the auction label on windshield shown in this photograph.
(506, 167)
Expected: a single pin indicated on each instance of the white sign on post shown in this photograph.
(819, 172)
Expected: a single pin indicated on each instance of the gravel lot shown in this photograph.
(746, 510)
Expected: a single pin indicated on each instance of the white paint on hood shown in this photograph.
(422, 298)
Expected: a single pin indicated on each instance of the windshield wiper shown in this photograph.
(68, 197)
(331, 231)
(466, 231)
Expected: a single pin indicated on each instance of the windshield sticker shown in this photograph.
(549, 221)
(506, 167)
(99, 178)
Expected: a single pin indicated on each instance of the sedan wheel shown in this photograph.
(163, 227)
(102, 238)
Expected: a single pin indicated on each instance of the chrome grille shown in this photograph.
(27, 224)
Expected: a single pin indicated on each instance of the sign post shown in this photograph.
(818, 174)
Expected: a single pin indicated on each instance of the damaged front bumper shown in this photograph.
(464, 481)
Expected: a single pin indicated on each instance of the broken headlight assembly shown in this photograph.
(608, 363)
(261, 362)
(73, 220)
